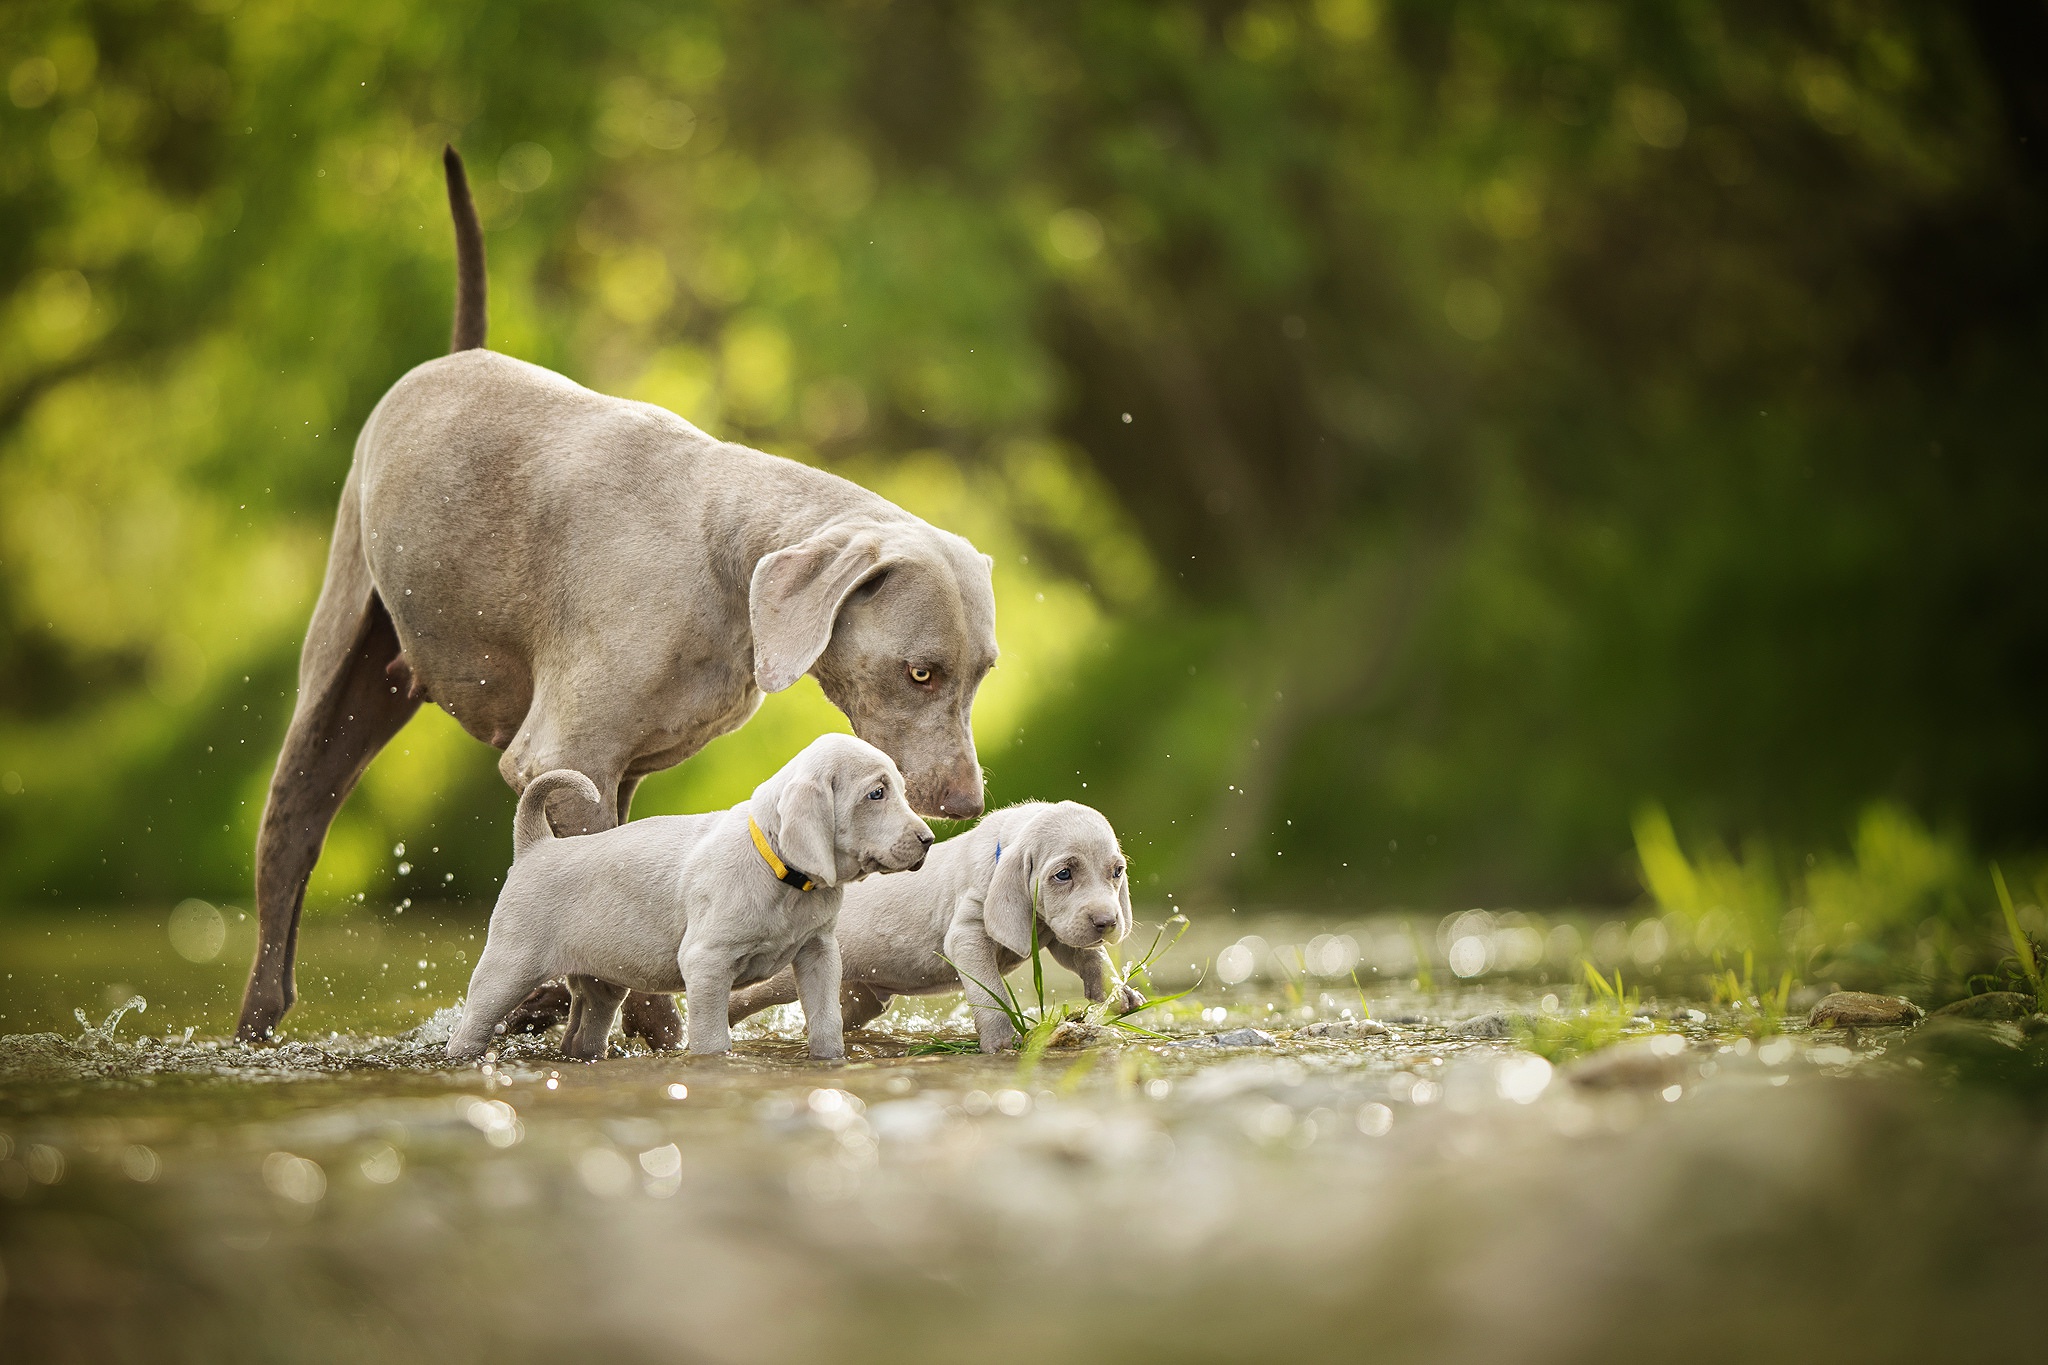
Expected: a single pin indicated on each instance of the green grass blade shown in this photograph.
(2022, 947)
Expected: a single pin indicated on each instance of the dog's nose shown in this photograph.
(1103, 920)
(926, 838)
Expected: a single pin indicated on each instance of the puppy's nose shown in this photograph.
(926, 839)
(1103, 920)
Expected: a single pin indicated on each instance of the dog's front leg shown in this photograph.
(1096, 971)
(974, 957)
(707, 998)
(817, 986)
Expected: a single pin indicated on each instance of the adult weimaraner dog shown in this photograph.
(590, 583)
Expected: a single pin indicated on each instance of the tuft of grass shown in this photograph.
(1425, 979)
(2022, 946)
(1587, 1024)
(1139, 973)
(1758, 1013)
(946, 1047)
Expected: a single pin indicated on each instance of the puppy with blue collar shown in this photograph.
(694, 903)
(968, 917)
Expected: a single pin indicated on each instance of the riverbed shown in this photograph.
(1301, 1164)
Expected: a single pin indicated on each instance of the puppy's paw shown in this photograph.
(1128, 998)
(828, 1052)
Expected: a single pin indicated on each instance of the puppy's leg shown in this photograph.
(346, 711)
(861, 1005)
(980, 976)
(596, 1004)
(502, 977)
(778, 989)
(709, 973)
(1096, 971)
(817, 985)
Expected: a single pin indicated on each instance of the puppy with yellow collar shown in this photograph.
(694, 903)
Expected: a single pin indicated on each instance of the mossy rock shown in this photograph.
(1990, 1005)
(1862, 1009)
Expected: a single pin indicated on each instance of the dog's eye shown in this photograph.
(1063, 875)
(1115, 872)
(878, 793)
(920, 676)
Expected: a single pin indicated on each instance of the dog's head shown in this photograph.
(898, 622)
(1066, 866)
(836, 812)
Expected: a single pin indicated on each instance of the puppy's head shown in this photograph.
(897, 621)
(1066, 864)
(837, 812)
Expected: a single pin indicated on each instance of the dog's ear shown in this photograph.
(1007, 911)
(1123, 900)
(807, 830)
(796, 594)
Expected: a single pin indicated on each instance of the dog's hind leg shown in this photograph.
(501, 978)
(347, 710)
(597, 1004)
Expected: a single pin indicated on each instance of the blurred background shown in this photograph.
(1433, 453)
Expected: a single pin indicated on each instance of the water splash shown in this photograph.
(104, 1034)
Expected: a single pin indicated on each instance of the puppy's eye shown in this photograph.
(878, 793)
(1063, 875)
(920, 676)
(1115, 872)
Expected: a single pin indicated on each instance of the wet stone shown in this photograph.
(1861, 1009)
(1645, 1064)
(1343, 1028)
(2008, 1005)
(1237, 1037)
(1494, 1025)
(1079, 1033)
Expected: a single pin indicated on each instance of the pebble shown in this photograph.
(1990, 1005)
(1645, 1064)
(1494, 1025)
(1343, 1028)
(1237, 1037)
(1861, 1009)
(1077, 1033)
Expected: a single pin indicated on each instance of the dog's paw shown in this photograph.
(1128, 998)
(835, 1053)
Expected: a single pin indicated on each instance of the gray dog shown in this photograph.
(595, 584)
(696, 902)
(967, 918)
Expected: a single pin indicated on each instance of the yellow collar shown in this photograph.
(783, 871)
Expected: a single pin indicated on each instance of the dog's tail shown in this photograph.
(530, 826)
(470, 318)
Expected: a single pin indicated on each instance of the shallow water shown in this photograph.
(1419, 1193)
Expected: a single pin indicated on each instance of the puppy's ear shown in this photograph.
(1006, 912)
(1123, 901)
(808, 830)
(796, 594)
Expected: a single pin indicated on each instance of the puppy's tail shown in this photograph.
(470, 319)
(530, 826)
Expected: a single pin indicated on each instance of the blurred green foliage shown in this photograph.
(1411, 436)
